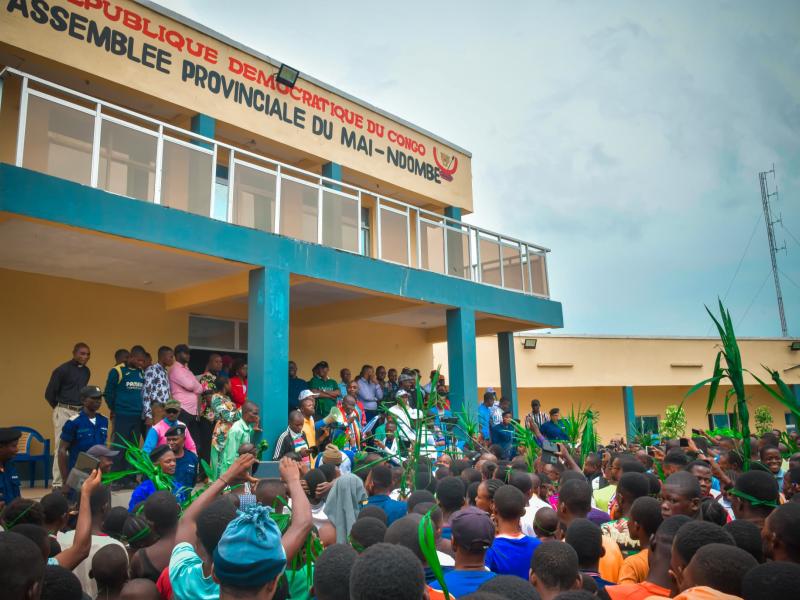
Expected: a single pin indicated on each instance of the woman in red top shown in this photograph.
(239, 382)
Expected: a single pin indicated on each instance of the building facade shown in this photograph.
(159, 185)
(630, 380)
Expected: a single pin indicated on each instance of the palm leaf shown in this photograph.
(525, 437)
(207, 469)
(588, 435)
(785, 397)
(427, 544)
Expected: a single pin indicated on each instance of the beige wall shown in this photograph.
(567, 361)
(42, 317)
(19, 32)
(575, 371)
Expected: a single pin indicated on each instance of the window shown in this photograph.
(647, 424)
(791, 423)
(366, 239)
(721, 421)
(212, 333)
(220, 199)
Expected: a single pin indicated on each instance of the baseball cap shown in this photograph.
(172, 404)
(91, 391)
(306, 394)
(472, 529)
(99, 450)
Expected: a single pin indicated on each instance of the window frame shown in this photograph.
(236, 337)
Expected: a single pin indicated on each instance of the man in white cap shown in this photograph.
(405, 416)
(496, 411)
(307, 403)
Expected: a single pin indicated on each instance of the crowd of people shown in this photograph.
(354, 512)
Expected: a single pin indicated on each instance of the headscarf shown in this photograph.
(250, 553)
(344, 502)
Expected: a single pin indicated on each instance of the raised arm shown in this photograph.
(569, 462)
(295, 537)
(82, 543)
(187, 528)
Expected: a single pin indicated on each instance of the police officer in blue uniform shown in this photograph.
(186, 461)
(9, 480)
(86, 429)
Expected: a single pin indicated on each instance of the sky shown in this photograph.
(627, 137)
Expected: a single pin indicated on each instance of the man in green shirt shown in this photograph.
(327, 390)
(240, 433)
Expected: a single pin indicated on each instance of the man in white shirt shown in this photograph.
(100, 504)
(530, 485)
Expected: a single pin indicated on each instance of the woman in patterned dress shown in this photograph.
(226, 414)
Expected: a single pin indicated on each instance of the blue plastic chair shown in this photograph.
(24, 454)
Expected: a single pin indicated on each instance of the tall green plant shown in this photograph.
(580, 431)
(589, 436)
(733, 371)
(642, 437)
(527, 439)
(673, 425)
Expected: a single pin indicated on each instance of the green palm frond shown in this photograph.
(724, 432)
(588, 435)
(427, 544)
(141, 463)
(791, 444)
(733, 372)
(526, 438)
(641, 437)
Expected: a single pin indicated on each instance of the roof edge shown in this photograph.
(171, 14)
(612, 336)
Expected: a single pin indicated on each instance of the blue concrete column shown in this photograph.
(268, 348)
(461, 360)
(204, 125)
(508, 369)
(629, 410)
(453, 212)
(332, 171)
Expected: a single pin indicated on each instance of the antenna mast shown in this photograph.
(765, 196)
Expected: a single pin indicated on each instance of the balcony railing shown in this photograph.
(74, 136)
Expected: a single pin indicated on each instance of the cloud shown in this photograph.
(626, 137)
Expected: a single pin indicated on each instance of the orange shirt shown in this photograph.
(636, 591)
(635, 568)
(611, 562)
(702, 592)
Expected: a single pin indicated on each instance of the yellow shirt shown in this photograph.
(602, 497)
(308, 429)
(635, 568)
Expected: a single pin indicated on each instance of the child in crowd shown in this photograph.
(645, 519)
(511, 550)
(545, 524)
